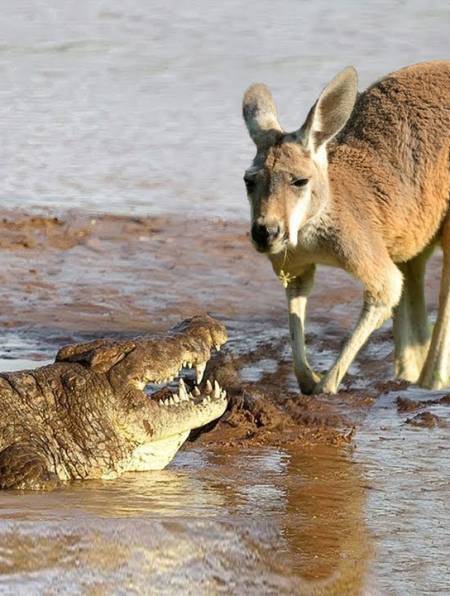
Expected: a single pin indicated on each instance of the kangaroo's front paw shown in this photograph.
(307, 381)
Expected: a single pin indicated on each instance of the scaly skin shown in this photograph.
(87, 416)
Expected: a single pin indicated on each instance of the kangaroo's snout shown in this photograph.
(265, 235)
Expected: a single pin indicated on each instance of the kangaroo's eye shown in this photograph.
(300, 182)
(250, 184)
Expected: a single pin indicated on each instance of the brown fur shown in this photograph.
(392, 159)
(383, 198)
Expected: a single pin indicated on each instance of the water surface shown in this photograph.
(134, 106)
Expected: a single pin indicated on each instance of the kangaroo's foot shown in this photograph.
(328, 384)
(409, 365)
(307, 380)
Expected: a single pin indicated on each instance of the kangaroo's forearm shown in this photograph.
(297, 294)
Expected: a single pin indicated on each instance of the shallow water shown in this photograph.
(267, 522)
(407, 508)
(322, 520)
(134, 106)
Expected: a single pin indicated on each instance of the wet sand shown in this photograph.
(287, 493)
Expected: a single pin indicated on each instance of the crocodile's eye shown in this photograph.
(250, 184)
(300, 182)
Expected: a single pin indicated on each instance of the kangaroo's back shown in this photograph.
(403, 114)
(392, 157)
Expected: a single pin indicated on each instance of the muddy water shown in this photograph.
(261, 521)
(367, 518)
(407, 469)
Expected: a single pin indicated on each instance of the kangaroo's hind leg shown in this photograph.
(411, 330)
(436, 371)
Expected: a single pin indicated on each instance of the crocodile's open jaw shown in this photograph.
(174, 414)
(188, 389)
(189, 401)
(180, 399)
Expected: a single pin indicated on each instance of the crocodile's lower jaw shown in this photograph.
(155, 455)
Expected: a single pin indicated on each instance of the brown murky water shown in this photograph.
(265, 522)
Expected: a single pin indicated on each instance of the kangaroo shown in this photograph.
(363, 185)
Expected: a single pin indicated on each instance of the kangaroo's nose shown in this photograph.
(263, 235)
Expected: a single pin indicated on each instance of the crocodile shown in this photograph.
(106, 407)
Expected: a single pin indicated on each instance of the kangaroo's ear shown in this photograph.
(260, 115)
(331, 111)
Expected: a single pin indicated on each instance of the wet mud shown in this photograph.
(296, 489)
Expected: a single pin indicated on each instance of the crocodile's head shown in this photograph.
(158, 385)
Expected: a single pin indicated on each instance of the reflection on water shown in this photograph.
(261, 521)
(265, 522)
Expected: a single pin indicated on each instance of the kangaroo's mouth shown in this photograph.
(280, 245)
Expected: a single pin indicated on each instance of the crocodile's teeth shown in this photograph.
(207, 398)
(199, 371)
(166, 402)
(217, 346)
(216, 392)
(223, 394)
(196, 392)
(189, 364)
(176, 398)
(182, 389)
(208, 388)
